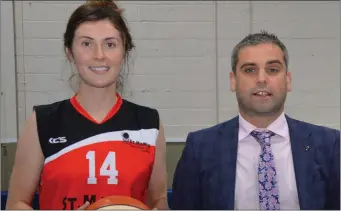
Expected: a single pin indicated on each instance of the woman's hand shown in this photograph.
(84, 206)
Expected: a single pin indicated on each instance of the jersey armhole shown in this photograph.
(157, 119)
(42, 122)
(36, 109)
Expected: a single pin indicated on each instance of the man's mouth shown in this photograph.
(262, 94)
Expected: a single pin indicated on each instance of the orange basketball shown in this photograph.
(118, 203)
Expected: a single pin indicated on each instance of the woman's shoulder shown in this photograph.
(144, 113)
(139, 107)
(49, 108)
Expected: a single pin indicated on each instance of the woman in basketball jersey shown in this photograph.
(94, 144)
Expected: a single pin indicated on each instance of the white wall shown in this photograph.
(8, 97)
(183, 54)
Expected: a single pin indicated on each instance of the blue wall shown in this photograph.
(36, 202)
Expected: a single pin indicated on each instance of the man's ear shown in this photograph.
(233, 81)
(288, 78)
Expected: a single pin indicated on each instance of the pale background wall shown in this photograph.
(182, 60)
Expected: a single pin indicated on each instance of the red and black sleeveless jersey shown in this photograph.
(86, 160)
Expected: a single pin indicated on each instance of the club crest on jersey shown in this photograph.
(136, 144)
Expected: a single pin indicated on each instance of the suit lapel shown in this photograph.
(302, 157)
(228, 140)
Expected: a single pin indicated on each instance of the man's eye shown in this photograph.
(273, 70)
(249, 70)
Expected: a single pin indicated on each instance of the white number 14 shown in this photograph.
(108, 168)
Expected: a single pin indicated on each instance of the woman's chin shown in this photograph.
(101, 83)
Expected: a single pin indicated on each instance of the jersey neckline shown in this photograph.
(74, 102)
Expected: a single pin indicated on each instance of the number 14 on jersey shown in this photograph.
(108, 168)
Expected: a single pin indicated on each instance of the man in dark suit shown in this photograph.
(261, 159)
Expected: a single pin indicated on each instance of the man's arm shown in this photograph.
(186, 182)
(333, 192)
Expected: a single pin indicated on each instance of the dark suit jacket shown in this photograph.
(205, 175)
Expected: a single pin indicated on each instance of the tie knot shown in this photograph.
(263, 137)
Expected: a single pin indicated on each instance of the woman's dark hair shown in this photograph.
(97, 10)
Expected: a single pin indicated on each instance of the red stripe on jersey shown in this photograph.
(83, 112)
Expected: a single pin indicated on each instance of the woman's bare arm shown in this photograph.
(157, 190)
(27, 168)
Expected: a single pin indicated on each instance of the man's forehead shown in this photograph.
(264, 61)
(261, 54)
(261, 48)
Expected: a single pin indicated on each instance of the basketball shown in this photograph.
(118, 203)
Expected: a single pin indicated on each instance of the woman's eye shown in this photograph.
(86, 44)
(111, 45)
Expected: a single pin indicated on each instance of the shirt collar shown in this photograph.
(279, 127)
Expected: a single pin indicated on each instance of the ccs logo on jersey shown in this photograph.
(58, 140)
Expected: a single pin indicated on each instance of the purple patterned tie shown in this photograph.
(268, 187)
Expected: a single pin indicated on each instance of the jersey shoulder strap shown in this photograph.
(147, 118)
(48, 117)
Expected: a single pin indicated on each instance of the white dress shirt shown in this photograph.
(247, 189)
